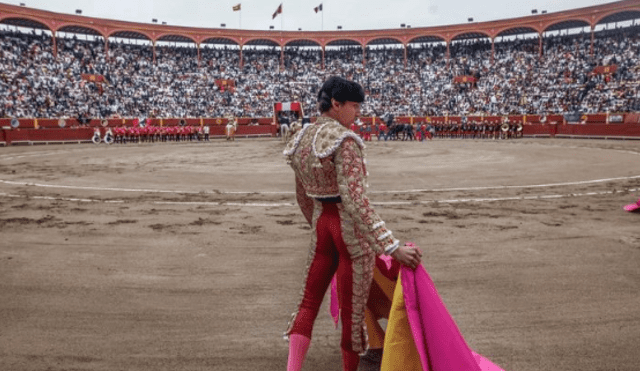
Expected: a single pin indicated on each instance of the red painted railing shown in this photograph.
(47, 134)
(596, 125)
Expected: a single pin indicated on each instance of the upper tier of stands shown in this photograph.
(178, 81)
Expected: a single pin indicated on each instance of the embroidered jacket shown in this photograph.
(328, 161)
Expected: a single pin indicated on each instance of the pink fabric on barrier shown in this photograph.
(439, 342)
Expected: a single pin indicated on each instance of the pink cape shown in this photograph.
(632, 207)
(438, 340)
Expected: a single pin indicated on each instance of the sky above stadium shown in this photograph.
(350, 14)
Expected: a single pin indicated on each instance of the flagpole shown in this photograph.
(281, 17)
(240, 15)
(322, 25)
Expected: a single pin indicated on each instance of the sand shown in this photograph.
(189, 256)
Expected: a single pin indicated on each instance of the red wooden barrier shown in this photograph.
(15, 136)
(245, 130)
(584, 130)
(256, 130)
(538, 130)
(601, 130)
(554, 125)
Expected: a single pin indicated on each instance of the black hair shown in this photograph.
(341, 90)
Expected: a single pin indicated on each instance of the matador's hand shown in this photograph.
(409, 255)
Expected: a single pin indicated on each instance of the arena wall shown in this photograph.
(607, 131)
(591, 126)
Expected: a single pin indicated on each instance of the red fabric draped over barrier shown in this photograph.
(287, 106)
(92, 78)
(464, 79)
(226, 84)
(605, 70)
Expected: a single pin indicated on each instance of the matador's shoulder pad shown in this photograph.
(330, 135)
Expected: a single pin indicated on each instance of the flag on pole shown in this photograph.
(278, 11)
(238, 8)
(319, 9)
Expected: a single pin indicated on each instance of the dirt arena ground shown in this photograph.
(189, 256)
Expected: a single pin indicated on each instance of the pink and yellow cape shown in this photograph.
(421, 335)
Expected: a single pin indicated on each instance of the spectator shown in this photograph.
(518, 81)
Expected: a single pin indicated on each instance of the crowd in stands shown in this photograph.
(33, 83)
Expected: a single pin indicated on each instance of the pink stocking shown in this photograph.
(298, 346)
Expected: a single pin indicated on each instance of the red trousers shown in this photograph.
(331, 257)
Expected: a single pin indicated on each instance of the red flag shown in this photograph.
(318, 8)
(278, 11)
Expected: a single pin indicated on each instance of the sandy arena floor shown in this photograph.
(189, 256)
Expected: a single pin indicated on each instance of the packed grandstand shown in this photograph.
(75, 74)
